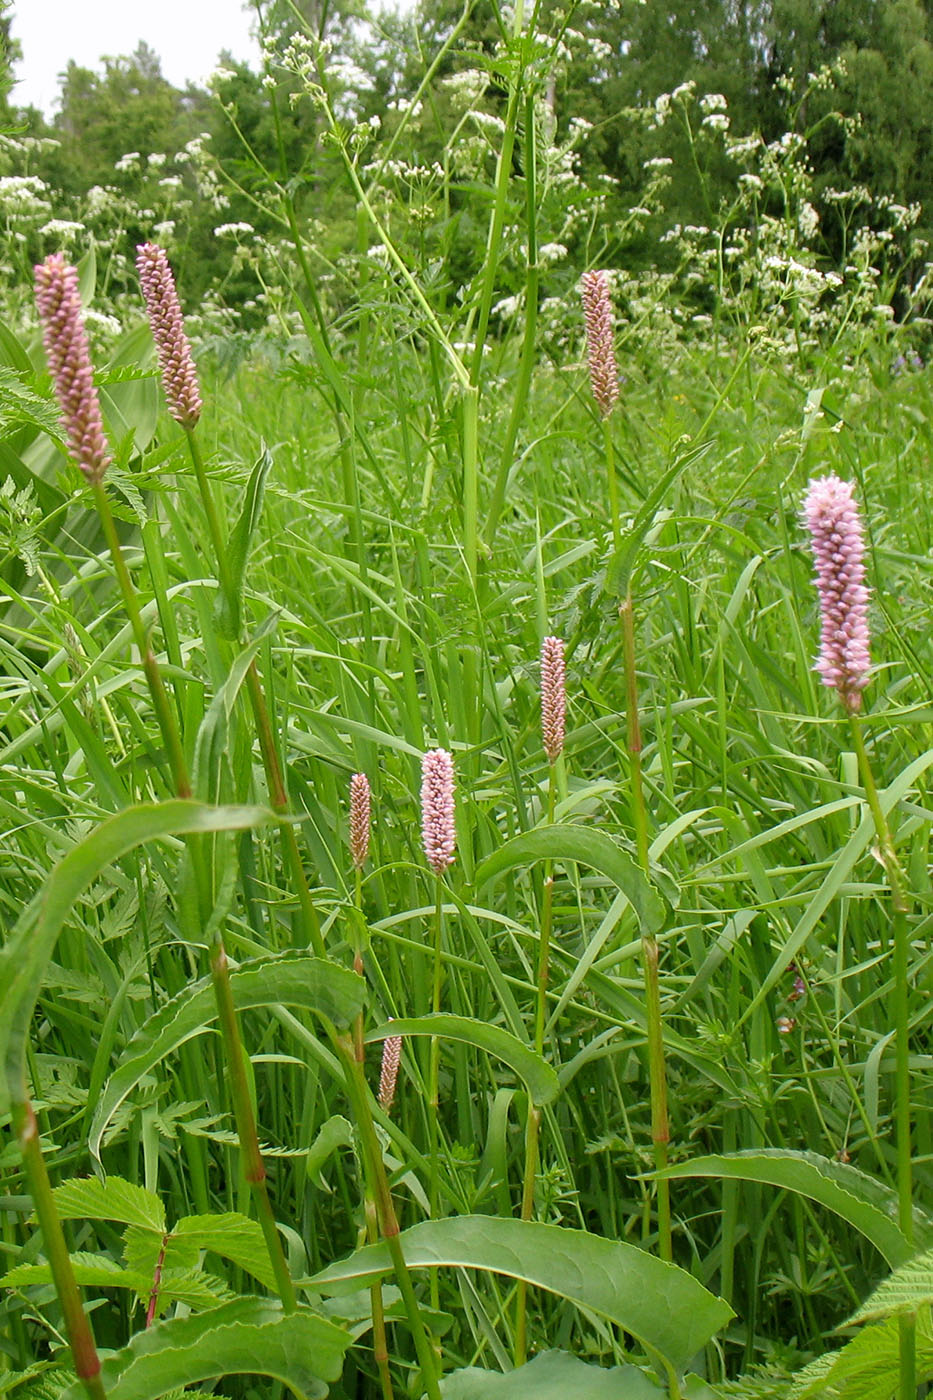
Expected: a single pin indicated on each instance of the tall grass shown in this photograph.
(424, 512)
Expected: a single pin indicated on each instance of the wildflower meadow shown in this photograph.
(466, 743)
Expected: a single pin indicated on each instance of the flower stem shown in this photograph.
(278, 795)
(900, 907)
(220, 975)
(657, 1073)
(83, 1349)
(385, 1210)
(532, 1130)
(613, 484)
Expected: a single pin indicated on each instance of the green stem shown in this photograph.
(532, 1131)
(278, 795)
(612, 483)
(164, 712)
(527, 357)
(900, 907)
(388, 1222)
(246, 1124)
(434, 1065)
(657, 1073)
(83, 1349)
(243, 1111)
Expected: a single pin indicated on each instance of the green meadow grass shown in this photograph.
(422, 514)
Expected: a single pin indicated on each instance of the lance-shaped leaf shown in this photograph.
(864, 1203)
(588, 847)
(667, 1309)
(539, 1078)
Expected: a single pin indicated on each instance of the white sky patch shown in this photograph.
(188, 36)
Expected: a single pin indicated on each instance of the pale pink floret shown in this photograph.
(359, 819)
(69, 360)
(600, 340)
(832, 518)
(388, 1074)
(553, 697)
(437, 809)
(179, 376)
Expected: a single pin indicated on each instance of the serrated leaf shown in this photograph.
(539, 1078)
(587, 847)
(26, 953)
(90, 1270)
(291, 979)
(90, 1198)
(143, 1250)
(249, 1336)
(866, 1204)
(659, 1303)
(192, 1287)
(232, 1236)
(553, 1375)
(909, 1288)
(867, 1368)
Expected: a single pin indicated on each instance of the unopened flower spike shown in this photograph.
(388, 1074)
(553, 697)
(831, 516)
(69, 358)
(179, 376)
(359, 819)
(437, 809)
(600, 340)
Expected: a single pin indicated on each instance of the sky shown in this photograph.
(186, 34)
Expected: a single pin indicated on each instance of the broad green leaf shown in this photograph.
(909, 1288)
(540, 1079)
(250, 1336)
(89, 1198)
(864, 1203)
(588, 847)
(232, 1236)
(25, 955)
(553, 1375)
(660, 1304)
(241, 538)
(291, 979)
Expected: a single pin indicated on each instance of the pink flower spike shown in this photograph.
(359, 819)
(388, 1074)
(179, 376)
(553, 697)
(600, 340)
(437, 809)
(832, 518)
(69, 359)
